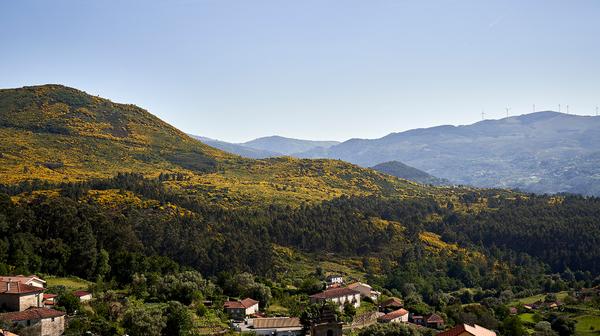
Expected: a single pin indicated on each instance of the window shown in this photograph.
(329, 332)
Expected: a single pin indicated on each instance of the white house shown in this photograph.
(238, 310)
(280, 326)
(365, 290)
(397, 316)
(83, 295)
(334, 280)
(338, 296)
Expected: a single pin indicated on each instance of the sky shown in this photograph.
(323, 69)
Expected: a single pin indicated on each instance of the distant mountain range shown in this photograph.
(542, 152)
(271, 146)
(275, 146)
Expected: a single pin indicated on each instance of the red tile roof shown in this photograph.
(81, 293)
(334, 293)
(474, 330)
(15, 287)
(392, 302)
(394, 315)
(49, 296)
(434, 318)
(245, 303)
(21, 278)
(33, 313)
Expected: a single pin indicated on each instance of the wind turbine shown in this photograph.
(482, 114)
(596, 111)
(567, 108)
(507, 109)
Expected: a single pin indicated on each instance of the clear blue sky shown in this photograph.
(235, 70)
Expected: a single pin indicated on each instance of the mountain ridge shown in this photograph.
(544, 152)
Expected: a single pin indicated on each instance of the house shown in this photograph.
(280, 326)
(513, 310)
(397, 316)
(49, 299)
(391, 304)
(83, 295)
(467, 330)
(338, 296)
(31, 280)
(434, 321)
(16, 296)
(417, 319)
(238, 310)
(36, 321)
(365, 290)
(334, 280)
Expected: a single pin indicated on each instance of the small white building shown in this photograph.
(83, 295)
(280, 326)
(238, 310)
(334, 280)
(397, 316)
(339, 296)
(365, 290)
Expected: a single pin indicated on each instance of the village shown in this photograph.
(27, 310)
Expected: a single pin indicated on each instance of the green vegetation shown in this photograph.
(165, 226)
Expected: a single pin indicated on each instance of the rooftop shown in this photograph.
(245, 303)
(276, 322)
(16, 287)
(393, 315)
(474, 330)
(33, 313)
(334, 293)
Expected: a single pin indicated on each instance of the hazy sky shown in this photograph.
(236, 70)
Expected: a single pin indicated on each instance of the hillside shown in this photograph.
(55, 133)
(287, 146)
(401, 170)
(108, 192)
(543, 152)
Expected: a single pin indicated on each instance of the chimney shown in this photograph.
(8, 286)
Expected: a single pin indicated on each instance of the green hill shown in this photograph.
(55, 133)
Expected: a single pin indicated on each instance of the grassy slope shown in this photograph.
(56, 133)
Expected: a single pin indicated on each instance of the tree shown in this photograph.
(70, 302)
(563, 326)
(179, 321)
(512, 326)
(143, 321)
(349, 311)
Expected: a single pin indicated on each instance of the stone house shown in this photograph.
(32, 280)
(36, 322)
(16, 296)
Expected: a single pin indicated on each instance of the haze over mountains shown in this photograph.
(542, 152)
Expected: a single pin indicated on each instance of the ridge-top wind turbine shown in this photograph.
(507, 109)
